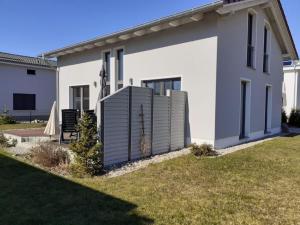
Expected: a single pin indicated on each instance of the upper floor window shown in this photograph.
(31, 72)
(251, 40)
(107, 64)
(106, 59)
(266, 60)
(120, 67)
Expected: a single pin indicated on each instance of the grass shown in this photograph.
(260, 185)
(21, 126)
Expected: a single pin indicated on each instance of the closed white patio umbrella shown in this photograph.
(52, 125)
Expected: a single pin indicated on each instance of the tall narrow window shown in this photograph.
(107, 69)
(266, 55)
(250, 47)
(268, 110)
(245, 109)
(120, 68)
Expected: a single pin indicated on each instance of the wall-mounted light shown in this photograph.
(95, 83)
(130, 81)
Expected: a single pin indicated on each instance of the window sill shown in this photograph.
(267, 73)
(246, 138)
(251, 68)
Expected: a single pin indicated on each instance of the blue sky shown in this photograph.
(31, 27)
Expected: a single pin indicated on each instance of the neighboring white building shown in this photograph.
(227, 56)
(27, 86)
(291, 87)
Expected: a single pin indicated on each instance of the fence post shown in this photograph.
(169, 93)
(152, 103)
(129, 122)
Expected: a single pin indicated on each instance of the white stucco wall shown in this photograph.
(210, 57)
(291, 92)
(232, 61)
(188, 52)
(14, 79)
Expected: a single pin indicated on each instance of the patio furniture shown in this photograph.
(93, 116)
(69, 123)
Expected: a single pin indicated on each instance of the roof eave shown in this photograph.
(140, 30)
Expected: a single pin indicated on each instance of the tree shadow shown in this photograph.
(31, 196)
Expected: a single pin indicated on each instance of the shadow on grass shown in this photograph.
(31, 196)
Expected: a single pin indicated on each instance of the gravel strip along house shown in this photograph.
(225, 56)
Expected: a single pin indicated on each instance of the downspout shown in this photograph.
(57, 92)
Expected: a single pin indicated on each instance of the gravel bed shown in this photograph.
(133, 166)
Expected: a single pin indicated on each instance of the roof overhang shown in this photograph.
(165, 23)
(278, 21)
(273, 8)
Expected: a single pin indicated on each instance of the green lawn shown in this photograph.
(21, 126)
(260, 185)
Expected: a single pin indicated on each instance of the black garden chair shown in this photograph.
(69, 123)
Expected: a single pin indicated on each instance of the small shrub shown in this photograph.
(6, 119)
(7, 143)
(87, 150)
(49, 155)
(202, 150)
(284, 118)
(294, 119)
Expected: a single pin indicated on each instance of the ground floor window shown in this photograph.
(81, 98)
(162, 85)
(245, 109)
(24, 102)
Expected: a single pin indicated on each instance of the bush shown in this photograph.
(7, 143)
(284, 118)
(202, 150)
(294, 119)
(6, 119)
(49, 155)
(87, 149)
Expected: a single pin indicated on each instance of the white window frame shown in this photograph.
(117, 81)
(254, 36)
(269, 44)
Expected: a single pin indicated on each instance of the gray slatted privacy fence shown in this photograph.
(135, 123)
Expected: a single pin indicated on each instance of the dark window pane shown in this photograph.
(24, 101)
(150, 85)
(31, 72)
(167, 86)
(107, 64)
(177, 85)
(107, 90)
(120, 86)
(120, 56)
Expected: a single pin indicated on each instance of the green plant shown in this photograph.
(6, 119)
(284, 118)
(202, 150)
(7, 143)
(87, 149)
(294, 119)
(49, 155)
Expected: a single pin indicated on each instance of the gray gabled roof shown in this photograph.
(26, 60)
(222, 6)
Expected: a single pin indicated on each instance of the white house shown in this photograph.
(291, 86)
(27, 86)
(226, 55)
